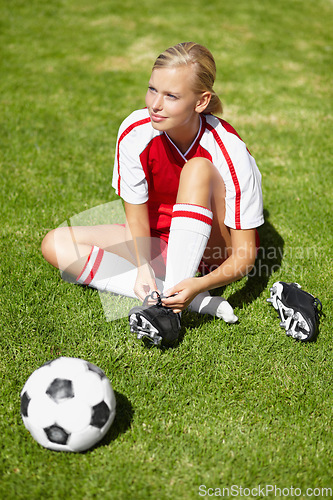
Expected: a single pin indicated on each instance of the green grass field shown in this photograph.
(233, 405)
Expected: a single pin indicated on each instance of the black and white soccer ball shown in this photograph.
(68, 404)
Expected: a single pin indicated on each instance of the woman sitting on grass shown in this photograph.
(192, 196)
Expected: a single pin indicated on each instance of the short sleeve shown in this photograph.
(244, 203)
(129, 179)
(241, 176)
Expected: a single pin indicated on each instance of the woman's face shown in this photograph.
(170, 101)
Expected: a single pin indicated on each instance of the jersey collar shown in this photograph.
(192, 149)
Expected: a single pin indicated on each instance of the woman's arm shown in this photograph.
(139, 241)
(238, 264)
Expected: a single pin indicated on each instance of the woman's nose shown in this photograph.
(158, 103)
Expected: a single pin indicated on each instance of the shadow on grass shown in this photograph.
(269, 259)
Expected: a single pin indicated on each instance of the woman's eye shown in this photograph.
(172, 96)
(151, 89)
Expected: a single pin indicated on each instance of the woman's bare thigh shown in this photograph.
(104, 236)
(219, 244)
(110, 237)
(68, 247)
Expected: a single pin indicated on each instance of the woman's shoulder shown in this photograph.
(217, 122)
(222, 128)
(135, 119)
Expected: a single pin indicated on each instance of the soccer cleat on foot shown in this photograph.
(157, 324)
(299, 310)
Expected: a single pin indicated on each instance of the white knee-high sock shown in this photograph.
(189, 233)
(106, 271)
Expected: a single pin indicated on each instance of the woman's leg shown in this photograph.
(201, 195)
(68, 248)
(97, 256)
(201, 184)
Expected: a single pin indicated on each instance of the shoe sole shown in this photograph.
(144, 329)
(292, 321)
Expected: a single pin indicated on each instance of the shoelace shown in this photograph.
(155, 295)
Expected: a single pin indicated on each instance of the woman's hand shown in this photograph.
(145, 282)
(181, 295)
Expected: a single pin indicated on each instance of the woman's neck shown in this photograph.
(184, 138)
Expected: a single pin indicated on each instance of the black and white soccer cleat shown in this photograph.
(156, 323)
(299, 310)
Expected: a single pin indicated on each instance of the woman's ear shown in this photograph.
(203, 102)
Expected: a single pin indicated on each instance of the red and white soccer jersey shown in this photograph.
(148, 167)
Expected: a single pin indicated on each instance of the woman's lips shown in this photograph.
(157, 118)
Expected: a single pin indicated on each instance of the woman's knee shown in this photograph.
(52, 243)
(198, 169)
(196, 181)
(47, 245)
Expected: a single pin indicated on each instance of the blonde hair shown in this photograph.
(190, 53)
